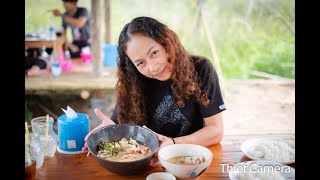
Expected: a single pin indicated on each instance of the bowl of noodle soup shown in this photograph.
(185, 161)
(122, 148)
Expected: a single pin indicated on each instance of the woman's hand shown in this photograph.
(105, 122)
(163, 141)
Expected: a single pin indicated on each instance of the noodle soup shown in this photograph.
(123, 150)
(187, 160)
(112, 133)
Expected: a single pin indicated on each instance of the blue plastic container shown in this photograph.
(71, 133)
(110, 54)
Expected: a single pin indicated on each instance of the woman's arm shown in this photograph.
(75, 22)
(209, 135)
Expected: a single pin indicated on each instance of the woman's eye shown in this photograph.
(154, 52)
(139, 63)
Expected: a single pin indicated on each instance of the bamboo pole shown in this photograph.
(96, 40)
(269, 76)
(107, 21)
(196, 29)
(216, 62)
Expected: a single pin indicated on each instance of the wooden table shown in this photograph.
(63, 166)
(56, 44)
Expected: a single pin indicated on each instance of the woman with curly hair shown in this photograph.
(162, 87)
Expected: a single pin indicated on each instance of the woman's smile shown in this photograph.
(159, 74)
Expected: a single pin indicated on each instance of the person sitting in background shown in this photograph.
(36, 67)
(77, 19)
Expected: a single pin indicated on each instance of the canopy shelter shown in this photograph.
(94, 80)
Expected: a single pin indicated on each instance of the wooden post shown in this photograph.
(96, 40)
(107, 20)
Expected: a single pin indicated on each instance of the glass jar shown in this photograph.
(36, 149)
(48, 140)
(30, 163)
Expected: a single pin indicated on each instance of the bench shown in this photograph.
(69, 82)
(80, 79)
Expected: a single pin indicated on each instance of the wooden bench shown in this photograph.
(80, 79)
(70, 83)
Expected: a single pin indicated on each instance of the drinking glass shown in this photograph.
(47, 137)
(36, 149)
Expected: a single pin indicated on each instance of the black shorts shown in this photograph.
(30, 61)
(79, 44)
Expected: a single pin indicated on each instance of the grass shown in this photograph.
(258, 40)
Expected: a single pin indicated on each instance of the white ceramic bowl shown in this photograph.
(184, 171)
(250, 143)
(160, 176)
(261, 169)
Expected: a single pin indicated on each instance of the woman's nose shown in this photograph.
(154, 68)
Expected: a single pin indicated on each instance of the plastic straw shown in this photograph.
(47, 131)
(27, 148)
(27, 133)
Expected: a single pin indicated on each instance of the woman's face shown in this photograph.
(149, 57)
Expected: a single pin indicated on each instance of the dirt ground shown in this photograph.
(253, 107)
(259, 107)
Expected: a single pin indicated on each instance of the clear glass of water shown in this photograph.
(36, 149)
(46, 135)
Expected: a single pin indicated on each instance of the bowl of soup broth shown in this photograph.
(122, 148)
(185, 160)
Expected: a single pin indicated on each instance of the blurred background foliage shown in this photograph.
(249, 35)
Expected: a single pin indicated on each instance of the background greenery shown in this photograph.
(249, 35)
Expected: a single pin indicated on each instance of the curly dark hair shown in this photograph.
(131, 85)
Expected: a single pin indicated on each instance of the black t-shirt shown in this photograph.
(170, 120)
(82, 33)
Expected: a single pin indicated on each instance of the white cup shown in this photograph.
(161, 176)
